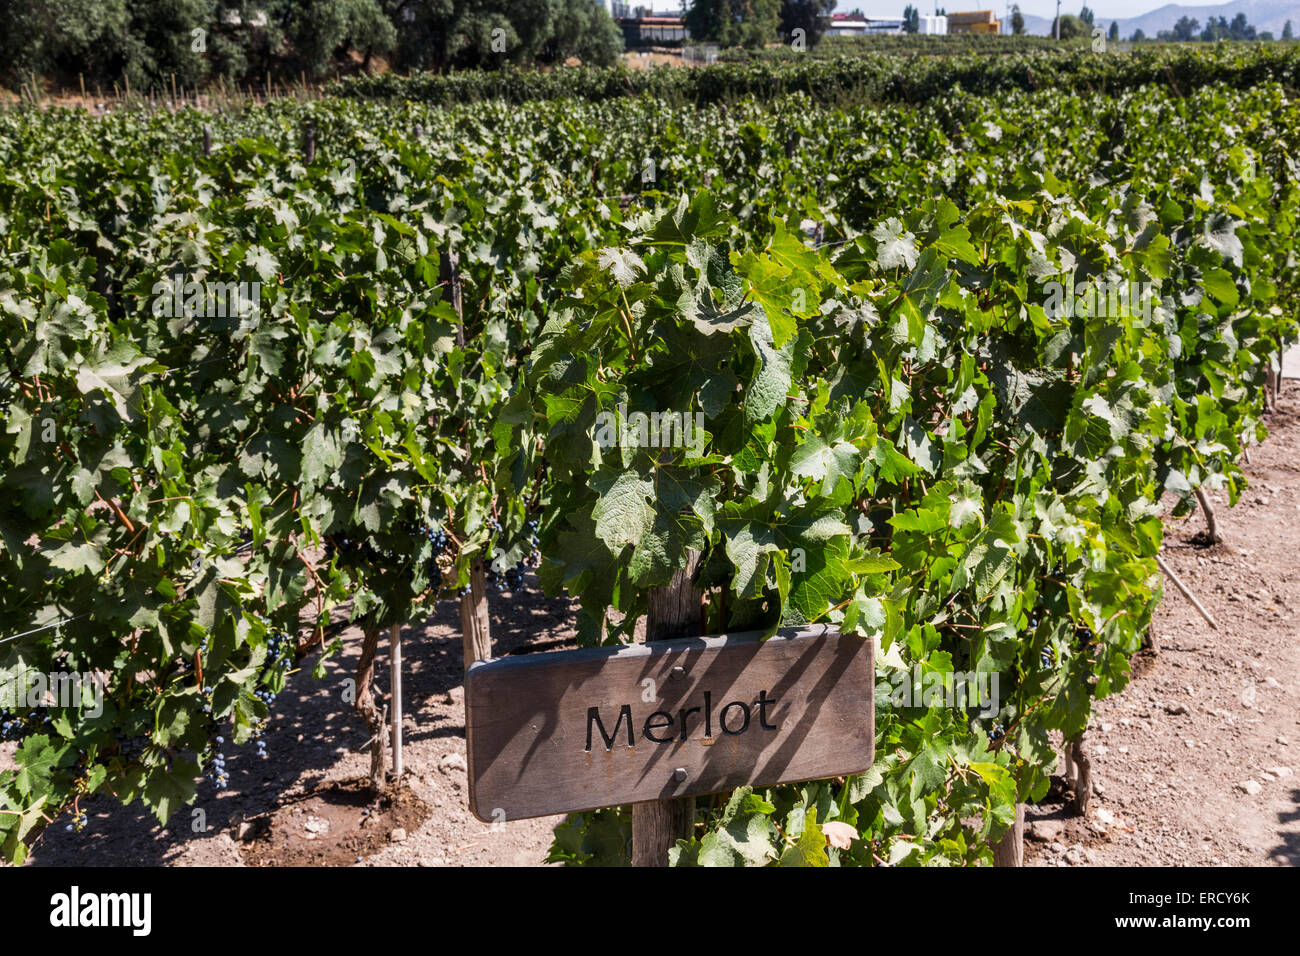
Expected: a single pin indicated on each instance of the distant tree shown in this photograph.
(1113, 33)
(107, 41)
(808, 15)
(452, 34)
(1186, 28)
(1138, 36)
(748, 23)
(1017, 20)
(1266, 36)
(583, 29)
(1071, 27)
(911, 19)
(320, 30)
(760, 21)
(1086, 15)
(706, 19)
(460, 34)
(1286, 31)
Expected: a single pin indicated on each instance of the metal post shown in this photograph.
(395, 655)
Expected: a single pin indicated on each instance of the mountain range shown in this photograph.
(1261, 14)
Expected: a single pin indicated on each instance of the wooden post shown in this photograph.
(1186, 592)
(309, 142)
(449, 269)
(475, 626)
(1082, 777)
(1211, 523)
(395, 679)
(475, 629)
(368, 709)
(1010, 850)
(207, 140)
(675, 611)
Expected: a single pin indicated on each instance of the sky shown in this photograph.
(1104, 9)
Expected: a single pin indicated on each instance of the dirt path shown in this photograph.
(1196, 761)
(301, 805)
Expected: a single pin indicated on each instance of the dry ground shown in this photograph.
(1196, 761)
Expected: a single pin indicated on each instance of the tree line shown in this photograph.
(755, 23)
(147, 43)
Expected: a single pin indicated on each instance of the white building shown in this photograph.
(934, 26)
(860, 27)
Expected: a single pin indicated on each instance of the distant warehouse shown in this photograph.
(978, 21)
(846, 25)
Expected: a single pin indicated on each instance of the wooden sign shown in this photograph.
(600, 727)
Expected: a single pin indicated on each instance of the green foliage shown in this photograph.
(318, 28)
(810, 16)
(1069, 27)
(145, 43)
(872, 77)
(746, 23)
(972, 479)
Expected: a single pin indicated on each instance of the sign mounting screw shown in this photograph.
(678, 671)
(680, 774)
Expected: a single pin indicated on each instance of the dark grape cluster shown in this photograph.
(215, 761)
(129, 748)
(512, 579)
(444, 550)
(353, 550)
(281, 650)
(78, 821)
(997, 733)
(13, 727)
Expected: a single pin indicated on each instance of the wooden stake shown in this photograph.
(449, 267)
(675, 611)
(1211, 524)
(207, 140)
(475, 627)
(1186, 593)
(368, 709)
(1010, 850)
(309, 142)
(395, 663)
(1082, 777)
